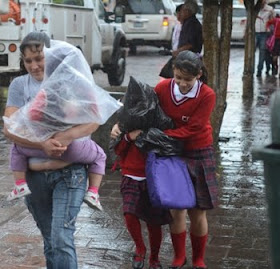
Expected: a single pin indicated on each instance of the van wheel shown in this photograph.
(116, 71)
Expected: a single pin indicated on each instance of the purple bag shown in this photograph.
(169, 182)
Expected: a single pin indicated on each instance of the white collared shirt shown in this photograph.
(179, 97)
(265, 14)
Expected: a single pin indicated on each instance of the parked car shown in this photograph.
(239, 19)
(148, 22)
(276, 6)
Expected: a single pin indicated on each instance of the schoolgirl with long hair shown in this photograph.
(189, 101)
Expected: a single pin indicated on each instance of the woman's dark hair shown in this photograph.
(35, 41)
(191, 63)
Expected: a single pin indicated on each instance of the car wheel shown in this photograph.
(116, 71)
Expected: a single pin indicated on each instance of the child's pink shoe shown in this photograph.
(19, 191)
(92, 200)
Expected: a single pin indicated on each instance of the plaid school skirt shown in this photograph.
(136, 201)
(276, 48)
(201, 164)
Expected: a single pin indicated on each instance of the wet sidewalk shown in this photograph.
(238, 233)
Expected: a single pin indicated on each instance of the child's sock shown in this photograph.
(198, 249)
(93, 189)
(155, 237)
(179, 245)
(134, 227)
(20, 181)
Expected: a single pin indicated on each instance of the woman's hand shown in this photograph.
(63, 138)
(53, 148)
(115, 132)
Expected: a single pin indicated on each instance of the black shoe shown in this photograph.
(139, 264)
(259, 74)
(178, 267)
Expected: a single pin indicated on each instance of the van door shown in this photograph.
(73, 22)
(4, 6)
(107, 31)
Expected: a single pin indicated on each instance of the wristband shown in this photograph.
(127, 137)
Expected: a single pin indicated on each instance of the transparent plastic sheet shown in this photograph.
(68, 96)
(141, 109)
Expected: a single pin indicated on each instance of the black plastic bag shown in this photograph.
(167, 70)
(157, 141)
(141, 109)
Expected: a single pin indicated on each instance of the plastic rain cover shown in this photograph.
(68, 96)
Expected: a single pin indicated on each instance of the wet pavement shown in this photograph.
(238, 228)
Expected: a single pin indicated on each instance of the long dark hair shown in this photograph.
(35, 41)
(191, 63)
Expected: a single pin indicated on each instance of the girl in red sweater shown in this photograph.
(275, 22)
(136, 202)
(189, 102)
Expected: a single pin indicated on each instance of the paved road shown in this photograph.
(238, 228)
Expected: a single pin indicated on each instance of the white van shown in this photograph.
(82, 23)
(148, 22)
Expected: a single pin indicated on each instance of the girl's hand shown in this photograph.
(115, 132)
(133, 135)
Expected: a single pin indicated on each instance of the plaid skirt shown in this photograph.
(136, 201)
(201, 164)
(276, 48)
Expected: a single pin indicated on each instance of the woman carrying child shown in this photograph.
(56, 194)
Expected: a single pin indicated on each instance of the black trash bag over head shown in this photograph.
(141, 109)
(157, 141)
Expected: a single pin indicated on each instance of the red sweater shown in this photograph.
(132, 160)
(191, 115)
(275, 21)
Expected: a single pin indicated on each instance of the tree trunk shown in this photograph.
(216, 54)
(249, 57)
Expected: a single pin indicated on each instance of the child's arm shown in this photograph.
(51, 147)
(121, 147)
(66, 137)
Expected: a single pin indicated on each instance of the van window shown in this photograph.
(239, 12)
(143, 6)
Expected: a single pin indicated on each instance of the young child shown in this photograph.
(189, 102)
(136, 202)
(84, 151)
(68, 98)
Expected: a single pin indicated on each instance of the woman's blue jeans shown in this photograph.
(54, 202)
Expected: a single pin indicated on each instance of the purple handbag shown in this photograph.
(169, 183)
